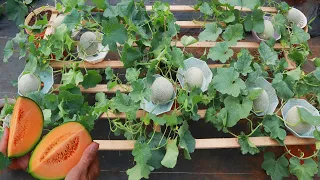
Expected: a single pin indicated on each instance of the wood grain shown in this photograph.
(213, 143)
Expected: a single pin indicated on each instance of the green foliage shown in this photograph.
(307, 117)
(210, 33)
(305, 171)
(273, 127)
(4, 161)
(170, 158)
(227, 81)
(146, 44)
(220, 52)
(246, 146)
(91, 79)
(276, 168)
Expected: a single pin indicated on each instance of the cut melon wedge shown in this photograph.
(59, 151)
(26, 126)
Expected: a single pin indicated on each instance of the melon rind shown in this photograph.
(193, 78)
(162, 91)
(295, 123)
(88, 43)
(40, 131)
(261, 104)
(268, 30)
(34, 174)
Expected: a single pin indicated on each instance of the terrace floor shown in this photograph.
(205, 164)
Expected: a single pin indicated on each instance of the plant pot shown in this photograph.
(36, 12)
(157, 109)
(202, 65)
(296, 16)
(96, 58)
(46, 78)
(303, 104)
(8, 117)
(276, 36)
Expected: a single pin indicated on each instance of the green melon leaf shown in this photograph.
(237, 108)
(246, 146)
(132, 74)
(299, 36)
(307, 117)
(232, 34)
(305, 171)
(220, 52)
(16, 11)
(100, 4)
(188, 40)
(268, 55)
(139, 171)
(282, 88)
(210, 33)
(8, 51)
(130, 55)
(243, 65)
(206, 9)
(4, 161)
(186, 140)
(274, 127)
(73, 19)
(72, 77)
(171, 156)
(255, 21)
(91, 79)
(114, 32)
(176, 57)
(277, 169)
(227, 81)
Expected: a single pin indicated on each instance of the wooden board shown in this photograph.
(212, 143)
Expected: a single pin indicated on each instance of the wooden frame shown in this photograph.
(210, 143)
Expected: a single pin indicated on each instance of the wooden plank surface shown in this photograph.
(213, 143)
(99, 88)
(186, 8)
(114, 64)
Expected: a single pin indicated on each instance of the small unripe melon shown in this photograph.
(88, 43)
(58, 21)
(293, 118)
(268, 30)
(261, 104)
(28, 83)
(162, 91)
(193, 78)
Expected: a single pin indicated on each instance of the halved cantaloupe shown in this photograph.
(25, 127)
(59, 151)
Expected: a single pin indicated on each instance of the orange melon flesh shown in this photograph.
(59, 151)
(26, 126)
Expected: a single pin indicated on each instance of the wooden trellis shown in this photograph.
(211, 143)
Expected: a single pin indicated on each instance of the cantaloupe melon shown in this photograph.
(28, 83)
(193, 78)
(261, 104)
(89, 43)
(268, 30)
(25, 127)
(162, 91)
(59, 151)
(294, 121)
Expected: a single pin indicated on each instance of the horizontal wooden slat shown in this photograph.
(186, 8)
(115, 64)
(248, 45)
(99, 88)
(140, 113)
(191, 24)
(213, 143)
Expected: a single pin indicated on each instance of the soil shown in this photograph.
(40, 17)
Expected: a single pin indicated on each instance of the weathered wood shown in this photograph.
(99, 88)
(114, 64)
(186, 8)
(213, 143)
